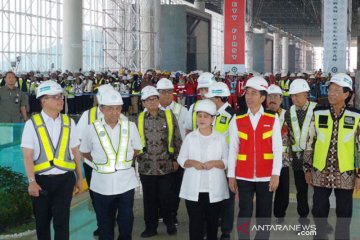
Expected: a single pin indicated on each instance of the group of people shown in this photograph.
(81, 87)
(205, 154)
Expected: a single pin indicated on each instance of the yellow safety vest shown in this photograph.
(285, 84)
(116, 160)
(92, 115)
(132, 87)
(177, 110)
(194, 125)
(170, 130)
(347, 129)
(300, 135)
(49, 156)
(222, 122)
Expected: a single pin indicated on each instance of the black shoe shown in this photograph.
(225, 236)
(176, 222)
(148, 233)
(279, 220)
(96, 233)
(171, 229)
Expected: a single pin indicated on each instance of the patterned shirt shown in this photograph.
(156, 160)
(330, 176)
(297, 157)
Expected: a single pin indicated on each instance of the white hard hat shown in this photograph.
(111, 98)
(148, 91)
(300, 75)
(312, 77)
(257, 83)
(102, 90)
(231, 73)
(164, 83)
(274, 89)
(292, 75)
(218, 89)
(299, 85)
(207, 106)
(342, 79)
(205, 80)
(283, 74)
(324, 75)
(48, 88)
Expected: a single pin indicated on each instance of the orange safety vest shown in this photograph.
(255, 145)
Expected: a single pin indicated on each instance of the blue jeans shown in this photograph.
(107, 206)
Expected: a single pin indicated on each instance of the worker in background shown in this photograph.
(255, 156)
(50, 170)
(298, 119)
(281, 200)
(284, 84)
(331, 160)
(13, 102)
(218, 93)
(204, 82)
(111, 143)
(161, 142)
(135, 93)
(204, 157)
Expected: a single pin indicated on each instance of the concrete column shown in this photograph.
(291, 55)
(357, 76)
(285, 55)
(259, 50)
(73, 35)
(249, 36)
(149, 12)
(276, 52)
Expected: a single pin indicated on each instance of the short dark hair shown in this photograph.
(9, 72)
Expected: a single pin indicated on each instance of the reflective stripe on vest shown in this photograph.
(301, 137)
(222, 122)
(170, 130)
(194, 125)
(285, 87)
(92, 115)
(282, 120)
(346, 151)
(116, 160)
(176, 110)
(49, 156)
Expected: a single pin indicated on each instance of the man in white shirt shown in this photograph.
(255, 158)
(87, 118)
(49, 169)
(111, 143)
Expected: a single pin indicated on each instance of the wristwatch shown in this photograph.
(30, 180)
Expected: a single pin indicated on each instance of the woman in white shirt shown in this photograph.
(203, 154)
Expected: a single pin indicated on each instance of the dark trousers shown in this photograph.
(107, 206)
(246, 190)
(281, 200)
(203, 213)
(178, 176)
(301, 194)
(227, 214)
(71, 105)
(158, 195)
(88, 172)
(320, 211)
(53, 204)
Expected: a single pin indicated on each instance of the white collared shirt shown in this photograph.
(234, 147)
(120, 181)
(84, 121)
(31, 141)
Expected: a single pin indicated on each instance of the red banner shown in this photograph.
(234, 34)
